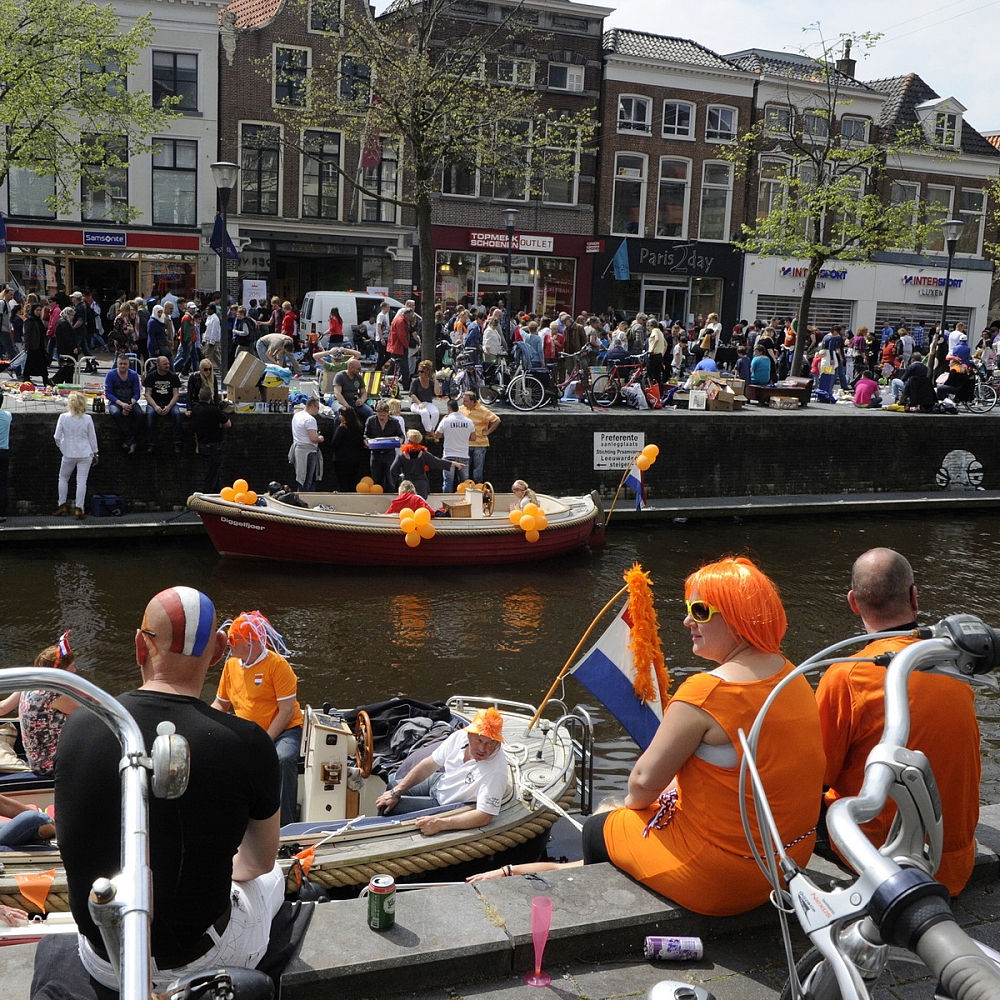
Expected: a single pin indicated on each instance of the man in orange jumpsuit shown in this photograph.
(943, 722)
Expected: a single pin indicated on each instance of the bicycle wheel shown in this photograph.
(604, 390)
(816, 976)
(526, 392)
(983, 399)
(489, 394)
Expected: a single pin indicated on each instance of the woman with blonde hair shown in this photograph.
(77, 441)
(523, 493)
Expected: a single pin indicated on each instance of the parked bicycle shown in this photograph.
(531, 388)
(607, 388)
(984, 393)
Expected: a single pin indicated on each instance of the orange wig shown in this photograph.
(749, 601)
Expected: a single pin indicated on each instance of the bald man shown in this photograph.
(942, 715)
(216, 883)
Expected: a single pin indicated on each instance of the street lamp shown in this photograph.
(224, 175)
(952, 229)
(509, 217)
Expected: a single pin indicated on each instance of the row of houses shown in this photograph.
(658, 176)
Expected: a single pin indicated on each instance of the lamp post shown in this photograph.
(952, 229)
(224, 175)
(509, 217)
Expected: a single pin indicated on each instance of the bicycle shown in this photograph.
(608, 388)
(984, 394)
(894, 909)
(531, 388)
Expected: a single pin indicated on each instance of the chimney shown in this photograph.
(846, 65)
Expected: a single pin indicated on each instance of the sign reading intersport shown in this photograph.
(522, 242)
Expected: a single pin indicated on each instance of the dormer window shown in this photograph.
(941, 120)
(946, 128)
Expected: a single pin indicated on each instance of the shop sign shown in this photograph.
(930, 281)
(254, 260)
(803, 272)
(595, 246)
(616, 450)
(522, 242)
(102, 238)
(931, 293)
(682, 258)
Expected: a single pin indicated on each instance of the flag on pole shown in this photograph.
(634, 482)
(62, 650)
(216, 241)
(622, 270)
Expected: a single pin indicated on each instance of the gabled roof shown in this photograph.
(667, 48)
(993, 138)
(790, 65)
(252, 13)
(900, 111)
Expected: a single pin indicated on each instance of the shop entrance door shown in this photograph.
(105, 278)
(664, 303)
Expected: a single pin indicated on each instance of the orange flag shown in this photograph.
(35, 887)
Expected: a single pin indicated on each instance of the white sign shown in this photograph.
(254, 289)
(522, 242)
(378, 290)
(616, 450)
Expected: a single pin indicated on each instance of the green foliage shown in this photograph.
(64, 106)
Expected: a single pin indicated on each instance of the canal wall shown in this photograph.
(710, 454)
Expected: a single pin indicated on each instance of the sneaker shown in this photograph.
(80, 515)
(60, 510)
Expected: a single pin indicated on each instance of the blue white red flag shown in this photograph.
(63, 649)
(634, 482)
(608, 671)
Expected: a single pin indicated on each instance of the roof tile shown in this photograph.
(665, 47)
(251, 13)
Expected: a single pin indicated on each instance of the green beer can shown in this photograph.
(381, 902)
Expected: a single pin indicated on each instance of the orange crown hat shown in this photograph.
(488, 722)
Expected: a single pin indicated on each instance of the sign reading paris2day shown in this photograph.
(694, 257)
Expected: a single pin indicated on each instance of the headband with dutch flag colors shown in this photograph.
(62, 649)
(192, 619)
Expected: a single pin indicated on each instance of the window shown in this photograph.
(903, 193)
(175, 182)
(459, 178)
(633, 114)
(854, 185)
(678, 120)
(98, 77)
(628, 207)
(720, 124)
(778, 119)
(772, 185)
(672, 204)
(716, 193)
(260, 168)
(324, 15)
(946, 128)
(291, 71)
(463, 66)
(815, 125)
(971, 210)
(854, 129)
(175, 74)
(321, 176)
(104, 187)
(380, 180)
(355, 79)
(29, 194)
(936, 209)
(510, 182)
(564, 77)
(561, 155)
(516, 72)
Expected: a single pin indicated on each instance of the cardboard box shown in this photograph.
(737, 385)
(243, 395)
(274, 393)
(246, 371)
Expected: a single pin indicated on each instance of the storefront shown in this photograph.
(679, 282)
(549, 273)
(853, 293)
(47, 259)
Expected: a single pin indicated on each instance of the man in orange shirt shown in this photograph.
(259, 684)
(943, 722)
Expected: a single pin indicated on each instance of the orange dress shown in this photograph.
(701, 858)
(943, 725)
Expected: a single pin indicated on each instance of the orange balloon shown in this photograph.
(240, 497)
(228, 493)
(251, 497)
(642, 463)
(241, 486)
(527, 522)
(422, 516)
(531, 508)
(408, 525)
(363, 487)
(461, 488)
(376, 488)
(426, 530)
(406, 512)
(367, 480)
(651, 451)
(413, 539)
(532, 536)
(541, 522)
(515, 515)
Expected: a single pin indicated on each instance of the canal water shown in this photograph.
(360, 634)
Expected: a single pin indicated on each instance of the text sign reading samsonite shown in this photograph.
(101, 238)
(616, 450)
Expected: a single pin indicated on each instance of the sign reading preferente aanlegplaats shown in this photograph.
(616, 450)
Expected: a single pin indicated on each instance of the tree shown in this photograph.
(64, 107)
(443, 102)
(824, 192)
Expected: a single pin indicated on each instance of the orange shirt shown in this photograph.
(851, 698)
(254, 692)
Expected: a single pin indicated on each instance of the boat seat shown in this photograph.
(24, 781)
(368, 823)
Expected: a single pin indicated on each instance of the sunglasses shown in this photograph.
(700, 611)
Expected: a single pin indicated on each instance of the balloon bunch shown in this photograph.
(239, 492)
(530, 519)
(416, 525)
(467, 484)
(646, 457)
(368, 485)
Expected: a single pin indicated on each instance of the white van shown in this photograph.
(355, 308)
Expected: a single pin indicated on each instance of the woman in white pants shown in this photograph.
(78, 443)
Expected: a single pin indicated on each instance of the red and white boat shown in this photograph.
(353, 529)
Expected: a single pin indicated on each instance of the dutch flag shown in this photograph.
(634, 482)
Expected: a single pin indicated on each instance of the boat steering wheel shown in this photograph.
(365, 753)
(489, 499)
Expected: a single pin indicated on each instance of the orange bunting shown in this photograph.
(644, 642)
(35, 887)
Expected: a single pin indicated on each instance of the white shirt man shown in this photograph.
(955, 336)
(457, 430)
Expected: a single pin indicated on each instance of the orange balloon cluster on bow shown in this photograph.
(646, 457)
(530, 519)
(467, 484)
(368, 485)
(416, 525)
(239, 492)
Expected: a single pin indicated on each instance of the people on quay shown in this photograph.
(25, 824)
(157, 343)
(468, 767)
(456, 430)
(259, 684)
(523, 493)
(760, 366)
(304, 454)
(943, 721)
(413, 462)
(209, 422)
(211, 338)
(867, 392)
(961, 350)
(348, 445)
(77, 441)
(202, 378)
(163, 390)
(485, 422)
(914, 389)
(424, 390)
(276, 349)
(35, 342)
(349, 390)
(244, 330)
(44, 713)
(398, 346)
(121, 390)
(212, 851)
(382, 425)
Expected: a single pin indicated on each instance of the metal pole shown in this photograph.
(224, 268)
(947, 281)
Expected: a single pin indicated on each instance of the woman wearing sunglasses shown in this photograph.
(680, 831)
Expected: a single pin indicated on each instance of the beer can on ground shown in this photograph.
(669, 949)
(381, 902)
